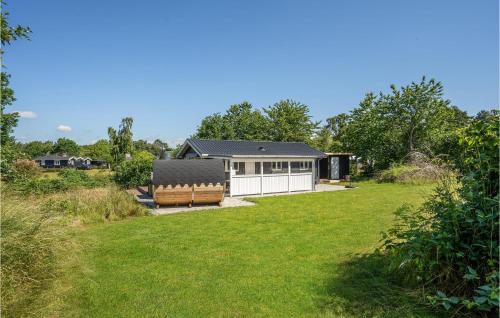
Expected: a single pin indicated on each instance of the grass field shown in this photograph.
(288, 256)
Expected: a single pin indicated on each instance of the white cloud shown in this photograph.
(28, 114)
(64, 128)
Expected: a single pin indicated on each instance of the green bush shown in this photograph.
(25, 169)
(67, 179)
(451, 244)
(135, 172)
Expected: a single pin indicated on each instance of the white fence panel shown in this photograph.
(245, 185)
(301, 182)
(275, 183)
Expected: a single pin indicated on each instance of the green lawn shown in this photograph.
(288, 256)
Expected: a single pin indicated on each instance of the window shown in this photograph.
(257, 168)
(56, 162)
(276, 165)
(273, 167)
(301, 166)
(305, 165)
(226, 165)
(239, 168)
(43, 163)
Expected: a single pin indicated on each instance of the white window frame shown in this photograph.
(227, 166)
(42, 162)
(57, 162)
(304, 165)
(276, 166)
(236, 166)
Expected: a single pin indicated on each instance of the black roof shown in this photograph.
(59, 157)
(237, 148)
(53, 157)
(173, 172)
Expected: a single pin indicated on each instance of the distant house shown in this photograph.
(62, 161)
(260, 167)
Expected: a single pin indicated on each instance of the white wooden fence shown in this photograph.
(271, 183)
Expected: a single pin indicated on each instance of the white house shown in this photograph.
(260, 167)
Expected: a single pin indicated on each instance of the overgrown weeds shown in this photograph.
(36, 237)
(30, 241)
(417, 168)
(88, 206)
(67, 179)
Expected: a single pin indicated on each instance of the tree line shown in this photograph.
(101, 149)
(382, 129)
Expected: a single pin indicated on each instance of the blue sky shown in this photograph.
(170, 63)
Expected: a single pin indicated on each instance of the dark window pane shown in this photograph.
(241, 170)
(257, 168)
(267, 168)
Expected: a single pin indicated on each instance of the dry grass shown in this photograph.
(30, 241)
(94, 205)
(37, 242)
(416, 169)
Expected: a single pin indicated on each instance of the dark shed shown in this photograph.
(335, 166)
(174, 172)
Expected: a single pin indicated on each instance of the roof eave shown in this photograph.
(275, 156)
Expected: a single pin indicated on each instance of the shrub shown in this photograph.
(135, 172)
(67, 179)
(451, 244)
(25, 169)
(29, 243)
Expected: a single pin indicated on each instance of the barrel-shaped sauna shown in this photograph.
(184, 182)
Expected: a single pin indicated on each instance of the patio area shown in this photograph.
(229, 202)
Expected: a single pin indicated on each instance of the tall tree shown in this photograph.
(211, 127)
(290, 121)
(37, 148)
(386, 127)
(100, 150)
(240, 122)
(8, 121)
(338, 125)
(323, 140)
(66, 146)
(154, 148)
(121, 141)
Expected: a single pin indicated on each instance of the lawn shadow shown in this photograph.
(363, 287)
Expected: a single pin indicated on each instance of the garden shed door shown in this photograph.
(334, 168)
